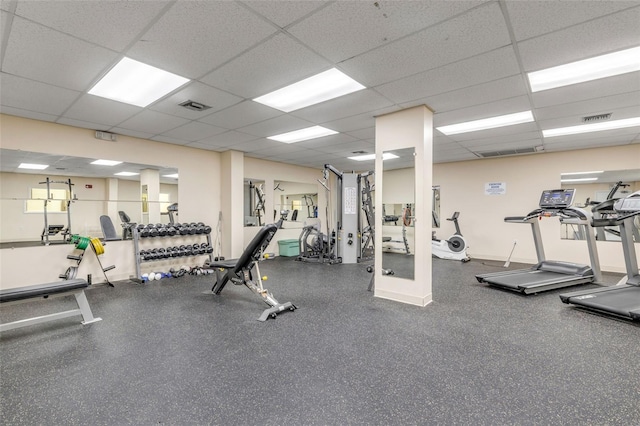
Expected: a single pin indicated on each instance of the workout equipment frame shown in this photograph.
(50, 230)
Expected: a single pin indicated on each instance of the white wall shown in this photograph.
(482, 216)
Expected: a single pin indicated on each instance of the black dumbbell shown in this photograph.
(207, 229)
(171, 231)
(162, 231)
(199, 229)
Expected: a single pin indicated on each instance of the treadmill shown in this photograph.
(550, 274)
(623, 299)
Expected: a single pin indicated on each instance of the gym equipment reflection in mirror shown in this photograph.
(398, 232)
(596, 191)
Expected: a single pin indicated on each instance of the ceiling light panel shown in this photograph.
(616, 63)
(33, 166)
(582, 173)
(174, 176)
(579, 180)
(106, 162)
(135, 83)
(310, 91)
(595, 127)
(303, 134)
(487, 123)
(367, 157)
(126, 174)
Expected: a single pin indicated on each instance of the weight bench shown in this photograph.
(61, 288)
(245, 271)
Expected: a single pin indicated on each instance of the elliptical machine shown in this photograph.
(454, 248)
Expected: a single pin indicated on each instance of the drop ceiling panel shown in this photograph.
(284, 14)
(553, 16)
(368, 133)
(504, 88)
(31, 95)
(478, 112)
(591, 106)
(502, 140)
(271, 65)
(241, 115)
(480, 69)
(167, 139)
(532, 143)
(360, 121)
(193, 38)
(41, 54)
(434, 47)
(153, 122)
(356, 103)
(589, 90)
(627, 135)
(194, 131)
(228, 138)
(584, 144)
(82, 124)
(276, 126)
(277, 150)
(98, 22)
(323, 144)
(576, 119)
(347, 149)
(257, 145)
(101, 110)
(489, 133)
(132, 133)
(331, 31)
(449, 157)
(197, 92)
(614, 32)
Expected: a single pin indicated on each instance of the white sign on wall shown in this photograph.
(495, 188)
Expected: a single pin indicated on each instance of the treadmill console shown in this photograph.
(629, 204)
(557, 198)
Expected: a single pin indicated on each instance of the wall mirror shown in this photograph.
(435, 209)
(254, 202)
(296, 203)
(95, 190)
(596, 187)
(398, 200)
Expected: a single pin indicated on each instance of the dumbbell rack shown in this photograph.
(139, 260)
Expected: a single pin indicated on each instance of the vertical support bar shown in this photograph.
(537, 239)
(85, 309)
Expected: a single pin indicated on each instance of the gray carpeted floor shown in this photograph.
(165, 353)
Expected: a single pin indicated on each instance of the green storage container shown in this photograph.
(289, 248)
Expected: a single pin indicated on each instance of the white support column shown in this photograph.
(150, 182)
(232, 200)
(409, 128)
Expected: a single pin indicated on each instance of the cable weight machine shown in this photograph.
(51, 230)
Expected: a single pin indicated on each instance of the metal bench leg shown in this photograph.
(85, 309)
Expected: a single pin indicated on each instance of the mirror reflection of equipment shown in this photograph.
(453, 248)
(51, 230)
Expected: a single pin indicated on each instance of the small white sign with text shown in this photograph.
(495, 188)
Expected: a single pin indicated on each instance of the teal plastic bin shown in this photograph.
(289, 248)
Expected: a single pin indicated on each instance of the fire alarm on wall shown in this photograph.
(88, 186)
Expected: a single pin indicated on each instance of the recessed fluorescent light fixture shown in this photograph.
(303, 134)
(582, 173)
(126, 174)
(106, 162)
(603, 66)
(487, 123)
(174, 176)
(310, 91)
(366, 157)
(135, 83)
(578, 180)
(33, 166)
(595, 127)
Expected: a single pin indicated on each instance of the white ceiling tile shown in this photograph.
(478, 112)
(495, 133)
(132, 133)
(228, 138)
(591, 107)
(629, 134)
(593, 38)
(31, 95)
(356, 103)
(589, 90)
(101, 110)
(323, 144)
(193, 38)
(27, 114)
(271, 65)
(283, 13)
(584, 144)
(450, 157)
(153, 122)
(240, 115)
(498, 139)
(442, 44)
(276, 126)
(166, 139)
(575, 119)
(256, 145)
(194, 131)
(93, 21)
(555, 15)
(81, 124)
(531, 143)
(331, 31)
(197, 92)
(277, 150)
(483, 68)
(503, 88)
(41, 54)
(368, 133)
(360, 121)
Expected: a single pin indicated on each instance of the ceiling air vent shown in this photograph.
(596, 118)
(505, 152)
(359, 152)
(195, 106)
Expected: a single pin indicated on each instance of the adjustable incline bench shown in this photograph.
(61, 288)
(245, 270)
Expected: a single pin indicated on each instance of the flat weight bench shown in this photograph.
(245, 271)
(60, 288)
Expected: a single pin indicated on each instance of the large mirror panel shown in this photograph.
(254, 202)
(296, 203)
(76, 194)
(594, 192)
(398, 216)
